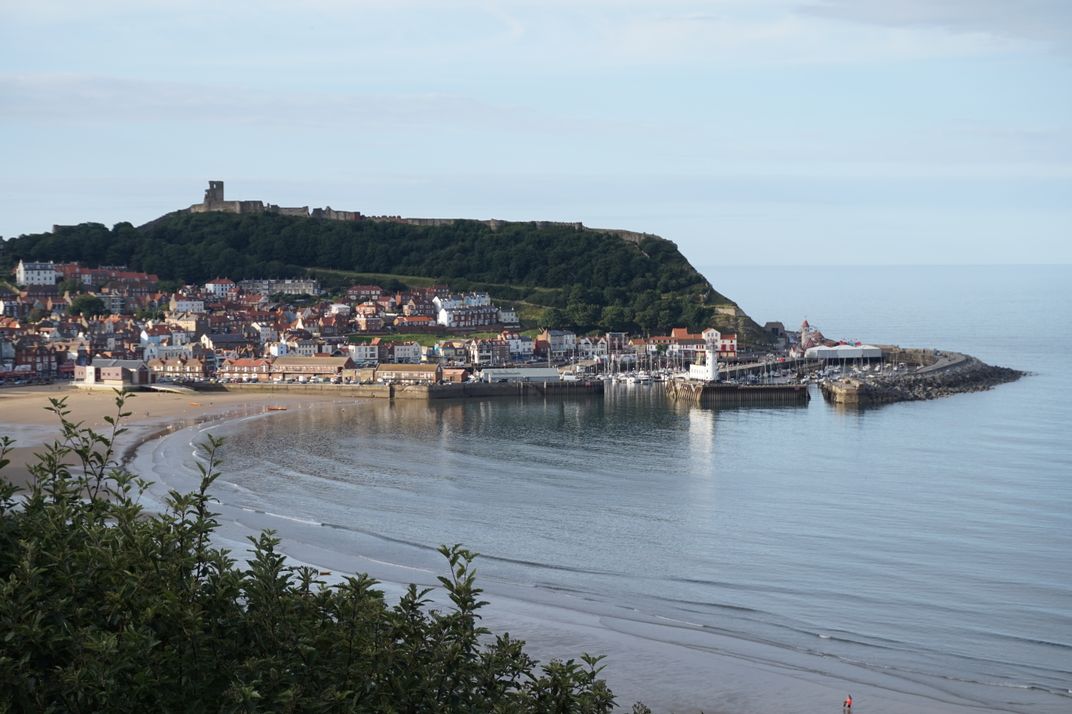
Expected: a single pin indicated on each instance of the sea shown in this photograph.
(917, 555)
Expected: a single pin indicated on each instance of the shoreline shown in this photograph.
(665, 663)
(153, 415)
(650, 659)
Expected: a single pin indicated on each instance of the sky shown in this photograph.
(789, 132)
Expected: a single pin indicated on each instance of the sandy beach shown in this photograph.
(25, 415)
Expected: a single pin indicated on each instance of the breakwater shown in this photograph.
(738, 395)
(940, 374)
(430, 391)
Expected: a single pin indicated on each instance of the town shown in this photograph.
(112, 327)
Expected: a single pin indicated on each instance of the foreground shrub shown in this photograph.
(107, 607)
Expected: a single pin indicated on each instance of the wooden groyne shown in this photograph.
(738, 395)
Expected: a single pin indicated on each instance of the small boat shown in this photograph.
(276, 408)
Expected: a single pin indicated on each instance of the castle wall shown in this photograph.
(228, 207)
(297, 211)
(215, 203)
(330, 214)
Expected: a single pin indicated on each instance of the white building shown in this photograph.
(363, 354)
(156, 350)
(286, 287)
(406, 352)
(302, 348)
(590, 347)
(705, 368)
(562, 343)
(475, 316)
(181, 303)
(522, 347)
(520, 374)
(265, 331)
(219, 287)
(36, 273)
(838, 353)
(468, 300)
(726, 342)
(469, 310)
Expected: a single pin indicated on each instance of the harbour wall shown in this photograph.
(471, 390)
(738, 395)
(940, 374)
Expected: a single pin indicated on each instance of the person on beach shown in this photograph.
(846, 706)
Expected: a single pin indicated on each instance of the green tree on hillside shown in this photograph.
(88, 306)
(547, 266)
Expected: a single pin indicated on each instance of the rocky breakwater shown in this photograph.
(940, 374)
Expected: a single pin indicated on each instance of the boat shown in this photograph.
(276, 408)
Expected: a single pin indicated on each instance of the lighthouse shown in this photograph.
(707, 371)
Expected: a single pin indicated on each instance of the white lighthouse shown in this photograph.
(707, 371)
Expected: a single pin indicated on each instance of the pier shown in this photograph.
(939, 374)
(738, 395)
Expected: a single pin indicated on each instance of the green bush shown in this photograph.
(107, 607)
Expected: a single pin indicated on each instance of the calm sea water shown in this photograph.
(921, 548)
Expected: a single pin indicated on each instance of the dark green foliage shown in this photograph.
(71, 285)
(105, 607)
(88, 305)
(578, 271)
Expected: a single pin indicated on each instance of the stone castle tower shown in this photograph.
(214, 193)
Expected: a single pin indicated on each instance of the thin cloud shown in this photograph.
(1047, 22)
(78, 99)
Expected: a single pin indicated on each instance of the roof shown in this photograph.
(247, 362)
(682, 333)
(225, 338)
(124, 363)
(294, 360)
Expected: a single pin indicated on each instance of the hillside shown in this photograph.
(576, 277)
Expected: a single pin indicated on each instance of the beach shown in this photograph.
(25, 416)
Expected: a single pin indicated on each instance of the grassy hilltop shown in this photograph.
(557, 275)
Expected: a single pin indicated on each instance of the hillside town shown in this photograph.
(110, 325)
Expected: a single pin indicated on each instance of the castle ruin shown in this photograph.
(215, 202)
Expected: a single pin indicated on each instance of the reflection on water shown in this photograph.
(744, 520)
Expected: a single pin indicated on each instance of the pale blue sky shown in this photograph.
(794, 132)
